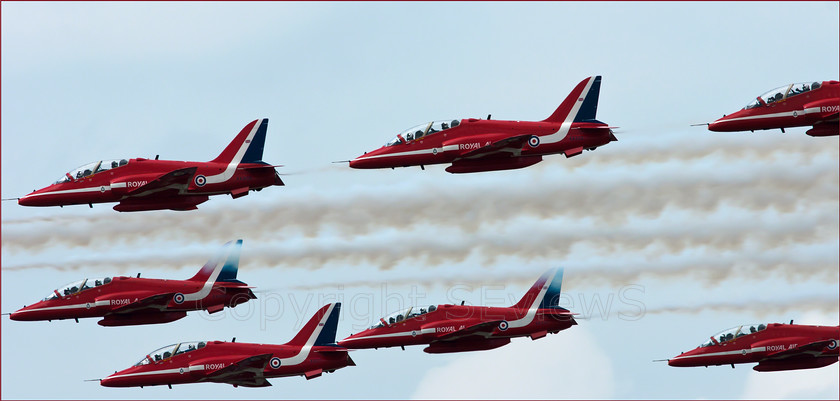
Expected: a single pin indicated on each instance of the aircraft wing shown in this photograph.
(155, 302)
(173, 182)
(811, 349)
(482, 329)
(511, 145)
(247, 372)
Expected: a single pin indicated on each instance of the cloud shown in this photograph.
(567, 365)
(809, 384)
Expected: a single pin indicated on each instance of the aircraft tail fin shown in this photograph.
(223, 267)
(545, 293)
(247, 146)
(581, 104)
(320, 329)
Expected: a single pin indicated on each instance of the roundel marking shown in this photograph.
(414, 333)
(87, 305)
(102, 189)
(181, 370)
(832, 344)
(434, 151)
(795, 114)
(274, 362)
(534, 141)
(503, 325)
(178, 298)
(200, 180)
(743, 352)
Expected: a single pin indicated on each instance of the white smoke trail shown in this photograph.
(611, 199)
(789, 307)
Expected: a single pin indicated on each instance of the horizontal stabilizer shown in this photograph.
(332, 350)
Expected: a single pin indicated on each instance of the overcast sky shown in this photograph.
(667, 236)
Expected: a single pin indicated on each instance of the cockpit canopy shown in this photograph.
(78, 286)
(91, 169)
(735, 332)
(783, 92)
(404, 314)
(425, 129)
(169, 351)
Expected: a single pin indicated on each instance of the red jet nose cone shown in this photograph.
(23, 315)
(26, 200)
(358, 162)
(681, 362)
(112, 381)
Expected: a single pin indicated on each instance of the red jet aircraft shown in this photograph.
(124, 301)
(141, 184)
(774, 346)
(474, 145)
(458, 328)
(795, 105)
(312, 352)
